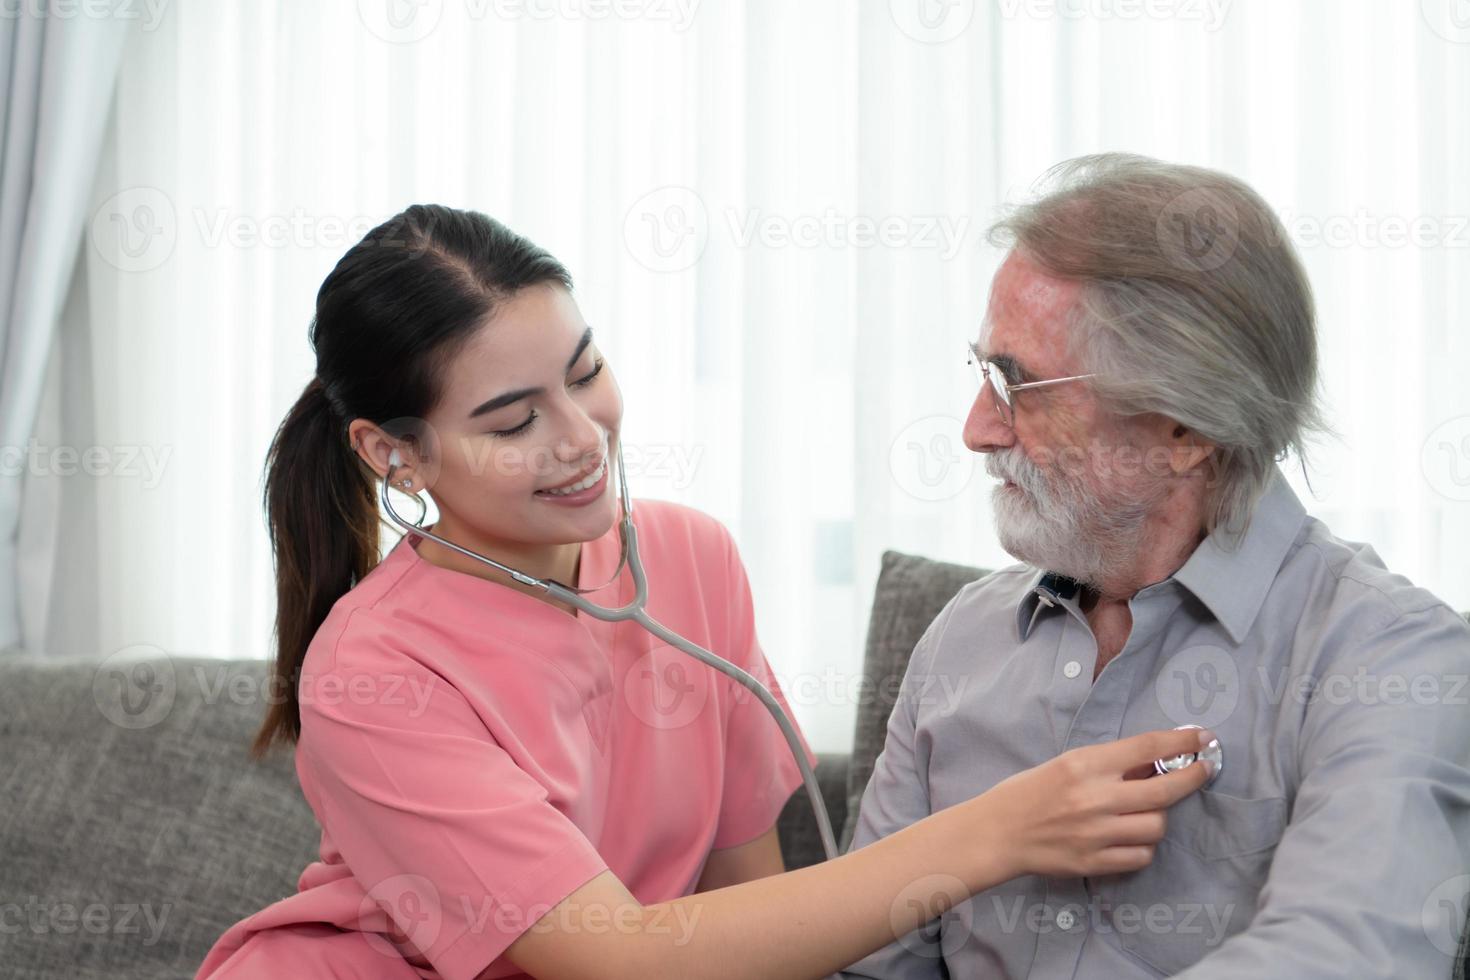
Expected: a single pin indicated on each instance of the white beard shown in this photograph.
(1059, 524)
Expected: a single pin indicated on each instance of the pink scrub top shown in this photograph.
(475, 754)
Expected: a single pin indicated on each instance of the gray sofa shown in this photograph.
(134, 828)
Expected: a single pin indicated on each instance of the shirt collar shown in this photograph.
(1232, 583)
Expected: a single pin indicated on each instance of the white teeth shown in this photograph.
(583, 484)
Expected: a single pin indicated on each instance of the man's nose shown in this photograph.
(984, 431)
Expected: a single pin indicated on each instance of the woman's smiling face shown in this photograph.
(527, 405)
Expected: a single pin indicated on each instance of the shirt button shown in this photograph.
(1072, 669)
(1066, 920)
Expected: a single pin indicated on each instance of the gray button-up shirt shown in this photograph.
(1335, 841)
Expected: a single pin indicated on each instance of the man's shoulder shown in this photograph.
(1347, 578)
(988, 603)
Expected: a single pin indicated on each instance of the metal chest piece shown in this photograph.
(1214, 752)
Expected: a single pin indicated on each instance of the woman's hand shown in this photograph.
(1090, 811)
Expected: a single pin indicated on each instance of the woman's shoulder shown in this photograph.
(665, 518)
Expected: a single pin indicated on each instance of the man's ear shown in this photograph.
(1187, 448)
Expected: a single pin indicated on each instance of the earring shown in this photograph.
(405, 483)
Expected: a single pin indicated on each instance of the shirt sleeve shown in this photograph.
(760, 771)
(454, 841)
(897, 796)
(1371, 874)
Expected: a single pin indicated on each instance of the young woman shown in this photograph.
(508, 788)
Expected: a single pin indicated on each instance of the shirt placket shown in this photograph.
(1090, 713)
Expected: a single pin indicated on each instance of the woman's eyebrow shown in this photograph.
(510, 397)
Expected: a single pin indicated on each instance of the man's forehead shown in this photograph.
(1028, 315)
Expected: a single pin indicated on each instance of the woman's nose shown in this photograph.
(585, 440)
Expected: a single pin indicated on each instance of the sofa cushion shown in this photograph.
(136, 828)
(910, 592)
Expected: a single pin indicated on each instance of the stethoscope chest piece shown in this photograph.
(1214, 752)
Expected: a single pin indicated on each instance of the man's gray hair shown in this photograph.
(1193, 304)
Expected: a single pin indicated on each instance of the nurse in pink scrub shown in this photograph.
(507, 788)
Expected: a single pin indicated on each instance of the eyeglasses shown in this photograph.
(1002, 391)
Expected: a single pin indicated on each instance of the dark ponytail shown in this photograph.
(395, 308)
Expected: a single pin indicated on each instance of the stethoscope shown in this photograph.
(634, 611)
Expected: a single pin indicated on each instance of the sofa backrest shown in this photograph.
(910, 593)
(135, 829)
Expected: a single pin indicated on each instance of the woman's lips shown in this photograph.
(581, 497)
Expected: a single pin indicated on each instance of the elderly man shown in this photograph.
(1148, 355)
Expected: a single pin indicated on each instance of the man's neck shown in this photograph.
(1173, 535)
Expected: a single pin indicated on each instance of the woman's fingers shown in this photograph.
(1121, 860)
(1162, 792)
(1137, 828)
(1131, 754)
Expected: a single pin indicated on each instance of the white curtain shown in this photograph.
(56, 76)
(775, 214)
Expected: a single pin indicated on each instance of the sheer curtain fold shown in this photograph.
(57, 70)
(775, 214)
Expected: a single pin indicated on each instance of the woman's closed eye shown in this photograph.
(590, 377)
(525, 426)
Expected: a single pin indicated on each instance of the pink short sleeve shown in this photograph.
(760, 772)
(459, 845)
